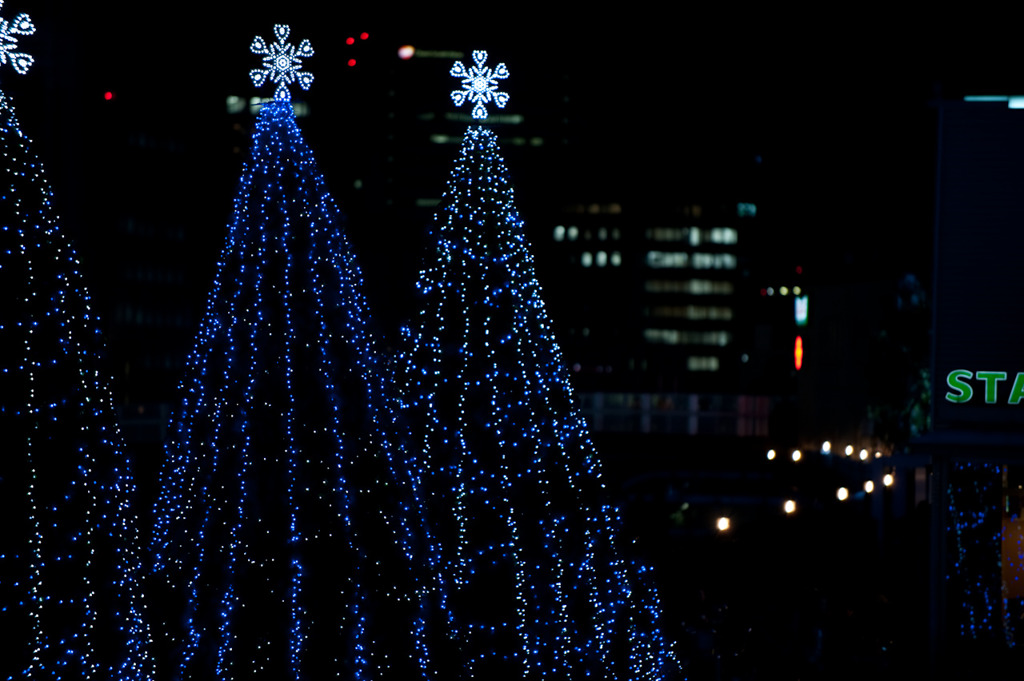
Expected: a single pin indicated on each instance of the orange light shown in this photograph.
(798, 353)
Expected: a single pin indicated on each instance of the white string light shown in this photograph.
(479, 84)
(281, 63)
(9, 32)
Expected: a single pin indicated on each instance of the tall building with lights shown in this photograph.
(659, 313)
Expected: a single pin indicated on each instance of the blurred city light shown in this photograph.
(849, 450)
(796, 455)
(789, 506)
(887, 480)
(869, 486)
(826, 447)
(863, 455)
(842, 494)
(723, 524)
(406, 52)
(771, 455)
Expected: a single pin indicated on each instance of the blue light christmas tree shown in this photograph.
(70, 604)
(534, 583)
(282, 546)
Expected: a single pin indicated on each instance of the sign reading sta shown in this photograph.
(961, 389)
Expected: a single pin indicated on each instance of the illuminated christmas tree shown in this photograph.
(534, 583)
(281, 547)
(70, 604)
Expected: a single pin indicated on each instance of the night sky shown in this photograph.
(833, 107)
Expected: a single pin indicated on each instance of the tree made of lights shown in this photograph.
(283, 546)
(981, 610)
(70, 603)
(533, 581)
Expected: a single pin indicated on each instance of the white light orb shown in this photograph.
(722, 524)
(789, 506)
(771, 455)
(842, 494)
(826, 447)
(888, 480)
(869, 486)
(797, 455)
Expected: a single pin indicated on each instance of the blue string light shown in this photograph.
(533, 582)
(70, 603)
(285, 537)
(975, 527)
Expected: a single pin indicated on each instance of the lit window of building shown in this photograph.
(693, 287)
(683, 337)
(692, 312)
(702, 363)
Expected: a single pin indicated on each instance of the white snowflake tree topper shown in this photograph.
(9, 32)
(479, 84)
(281, 63)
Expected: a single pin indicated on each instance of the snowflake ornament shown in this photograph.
(479, 84)
(9, 32)
(281, 63)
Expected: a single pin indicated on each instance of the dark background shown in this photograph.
(834, 103)
(830, 112)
